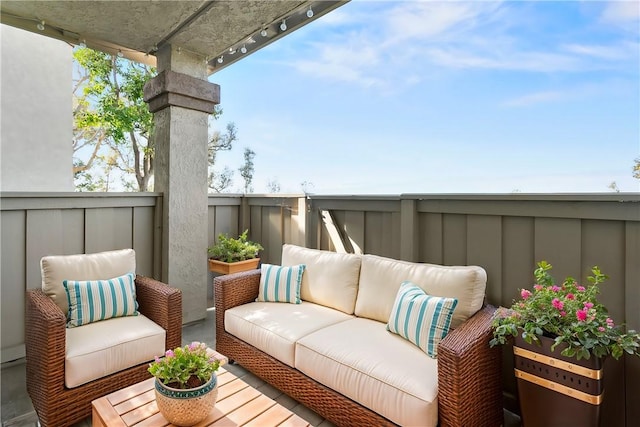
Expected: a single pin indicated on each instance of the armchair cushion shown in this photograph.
(93, 300)
(98, 266)
(102, 348)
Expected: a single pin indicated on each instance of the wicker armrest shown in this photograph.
(469, 375)
(233, 290)
(162, 304)
(45, 335)
(236, 289)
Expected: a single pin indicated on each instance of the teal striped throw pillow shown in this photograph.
(280, 284)
(95, 300)
(420, 318)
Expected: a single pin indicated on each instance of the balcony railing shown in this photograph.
(505, 234)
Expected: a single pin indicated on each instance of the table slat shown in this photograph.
(140, 413)
(135, 402)
(127, 393)
(246, 412)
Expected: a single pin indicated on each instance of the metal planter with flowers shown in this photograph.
(562, 335)
(186, 384)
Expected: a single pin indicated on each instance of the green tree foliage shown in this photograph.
(636, 168)
(112, 119)
(246, 171)
(113, 136)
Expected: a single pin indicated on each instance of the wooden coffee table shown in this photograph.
(238, 404)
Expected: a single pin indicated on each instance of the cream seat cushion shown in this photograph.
(360, 359)
(380, 279)
(329, 279)
(98, 266)
(274, 328)
(102, 348)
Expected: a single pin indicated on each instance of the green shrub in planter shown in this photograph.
(228, 249)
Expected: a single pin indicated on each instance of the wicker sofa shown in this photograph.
(333, 352)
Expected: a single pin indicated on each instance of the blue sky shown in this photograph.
(443, 97)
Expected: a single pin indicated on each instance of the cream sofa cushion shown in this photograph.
(380, 279)
(360, 359)
(102, 348)
(98, 266)
(330, 278)
(274, 328)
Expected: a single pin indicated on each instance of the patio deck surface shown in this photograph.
(17, 410)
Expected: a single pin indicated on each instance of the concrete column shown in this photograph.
(181, 99)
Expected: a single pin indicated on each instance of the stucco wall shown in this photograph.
(36, 117)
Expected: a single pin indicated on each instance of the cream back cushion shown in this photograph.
(98, 266)
(329, 279)
(380, 279)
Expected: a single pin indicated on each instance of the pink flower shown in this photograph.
(557, 304)
(581, 288)
(169, 353)
(525, 293)
(571, 296)
(538, 287)
(555, 288)
(610, 322)
(581, 315)
(588, 305)
(563, 313)
(601, 329)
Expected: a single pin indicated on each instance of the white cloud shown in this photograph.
(536, 98)
(382, 42)
(432, 20)
(387, 42)
(621, 12)
(342, 63)
(606, 87)
(621, 51)
(515, 61)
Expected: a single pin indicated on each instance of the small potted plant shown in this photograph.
(561, 335)
(231, 255)
(186, 384)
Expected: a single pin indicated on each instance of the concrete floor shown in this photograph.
(17, 410)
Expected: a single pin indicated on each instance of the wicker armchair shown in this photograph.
(45, 331)
(469, 371)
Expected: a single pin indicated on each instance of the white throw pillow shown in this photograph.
(330, 278)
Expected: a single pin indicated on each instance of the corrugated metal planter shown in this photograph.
(233, 267)
(557, 391)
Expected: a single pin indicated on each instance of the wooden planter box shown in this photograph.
(233, 267)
